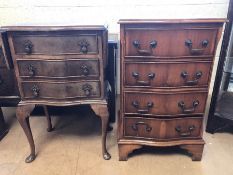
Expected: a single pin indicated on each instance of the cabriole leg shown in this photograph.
(102, 112)
(22, 113)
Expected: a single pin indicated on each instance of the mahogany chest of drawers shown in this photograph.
(165, 74)
(59, 66)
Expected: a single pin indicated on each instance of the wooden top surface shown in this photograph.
(53, 28)
(175, 21)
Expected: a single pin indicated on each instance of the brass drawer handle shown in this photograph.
(147, 127)
(87, 89)
(31, 70)
(186, 133)
(152, 45)
(182, 105)
(136, 105)
(28, 46)
(85, 70)
(197, 76)
(150, 76)
(189, 44)
(35, 91)
(83, 46)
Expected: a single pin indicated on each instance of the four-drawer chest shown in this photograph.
(166, 68)
(59, 66)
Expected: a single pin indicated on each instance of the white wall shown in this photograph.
(64, 12)
(108, 12)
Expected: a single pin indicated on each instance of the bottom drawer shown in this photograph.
(163, 129)
(61, 90)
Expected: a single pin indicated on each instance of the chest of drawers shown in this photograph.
(165, 74)
(59, 66)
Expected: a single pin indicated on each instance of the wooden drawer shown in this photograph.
(55, 43)
(162, 129)
(167, 74)
(61, 90)
(165, 104)
(8, 85)
(169, 43)
(82, 69)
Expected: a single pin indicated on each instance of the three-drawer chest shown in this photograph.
(59, 66)
(166, 69)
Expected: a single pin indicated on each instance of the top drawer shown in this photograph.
(55, 43)
(170, 43)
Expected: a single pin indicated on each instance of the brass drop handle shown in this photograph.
(152, 45)
(179, 129)
(28, 46)
(31, 70)
(87, 89)
(197, 51)
(35, 91)
(147, 127)
(136, 105)
(185, 110)
(85, 70)
(83, 46)
(185, 75)
(150, 76)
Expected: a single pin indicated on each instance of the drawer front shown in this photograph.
(180, 128)
(55, 44)
(8, 85)
(165, 104)
(167, 74)
(170, 43)
(61, 90)
(82, 69)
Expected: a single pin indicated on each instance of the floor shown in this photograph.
(74, 148)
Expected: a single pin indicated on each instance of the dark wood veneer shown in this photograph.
(59, 66)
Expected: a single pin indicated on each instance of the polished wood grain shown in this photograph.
(43, 43)
(165, 104)
(103, 112)
(78, 69)
(167, 74)
(60, 90)
(162, 129)
(59, 66)
(22, 113)
(166, 67)
(55, 28)
(175, 21)
(169, 42)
